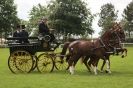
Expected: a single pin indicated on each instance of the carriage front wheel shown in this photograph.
(61, 64)
(45, 63)
(20, 61)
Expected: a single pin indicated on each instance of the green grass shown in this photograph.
(121, 77)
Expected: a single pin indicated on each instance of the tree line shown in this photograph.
(65, 16)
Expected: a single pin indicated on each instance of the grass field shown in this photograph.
(121, 77)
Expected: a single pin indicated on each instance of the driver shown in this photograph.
(44, 30)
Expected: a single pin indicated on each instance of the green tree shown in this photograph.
(108, 16)
(36, 13)
(128, 16)
(8, 16)
(70, 16)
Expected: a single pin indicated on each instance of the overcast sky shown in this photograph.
(24, 7)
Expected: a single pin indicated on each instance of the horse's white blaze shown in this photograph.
(71, 70)
(108, 67)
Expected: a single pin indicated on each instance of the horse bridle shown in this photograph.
(107, 47)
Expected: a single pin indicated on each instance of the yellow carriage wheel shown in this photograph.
(45, 63)
(60, 64)
(20, 61)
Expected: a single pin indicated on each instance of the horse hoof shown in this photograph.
(122, 56)
(106, 71)
(95, 73)
(98, 70)
(71, 73)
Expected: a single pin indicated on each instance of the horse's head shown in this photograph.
(121, 34)
(119, 31)
(110, 36)
(117, 36)
(114, 36)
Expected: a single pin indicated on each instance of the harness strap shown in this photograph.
(102, 42)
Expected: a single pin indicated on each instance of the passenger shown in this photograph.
(17, 32)
(24, 34)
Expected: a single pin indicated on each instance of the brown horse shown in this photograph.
(118, 48)
(95, 50)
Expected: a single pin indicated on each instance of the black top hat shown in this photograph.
(23, 26)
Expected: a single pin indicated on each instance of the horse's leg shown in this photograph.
(93, 62)
(97, 63)
(86, 64)
(95, 66)
(90, 63)
(68, 56)
(72, 62)
(124, 52)
(104, 61)
(108, 65)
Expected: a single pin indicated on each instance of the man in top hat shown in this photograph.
(24, 34)
(17, 32)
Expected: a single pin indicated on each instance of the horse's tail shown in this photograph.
(63, 53)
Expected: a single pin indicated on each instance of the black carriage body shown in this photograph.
(32, 49)
(34, 45)
(23, 56)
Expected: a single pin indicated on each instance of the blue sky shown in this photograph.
(24, 7)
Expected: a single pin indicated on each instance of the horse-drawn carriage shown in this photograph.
(37, 53)
(24, 57)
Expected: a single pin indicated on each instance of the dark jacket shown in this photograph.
(24, 34)
(43, 28)
(16, 34)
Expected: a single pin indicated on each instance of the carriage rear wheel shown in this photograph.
(20, 61)
(45, 63)
(61, 64)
